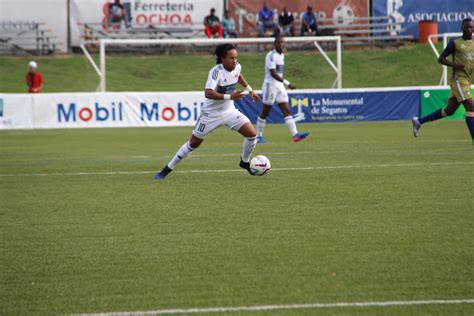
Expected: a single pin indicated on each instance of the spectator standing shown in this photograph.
(116, 15)
(34, 79)
(265, 21)
(309, 22)
(228, 25)
(212, 25)
(286, 21)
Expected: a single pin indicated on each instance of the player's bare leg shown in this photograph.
(250, 141)
(261, 121)
(290, 122)
(187, 148)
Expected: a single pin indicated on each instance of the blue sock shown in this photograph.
(436, 115)
(470, 125)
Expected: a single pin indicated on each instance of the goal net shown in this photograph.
(319, 45)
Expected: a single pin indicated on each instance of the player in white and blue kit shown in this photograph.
(219, 109)
(273, 90)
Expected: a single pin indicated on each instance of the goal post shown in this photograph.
(103, 43)
(444, 74)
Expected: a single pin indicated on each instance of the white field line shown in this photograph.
(273, 153)
(240, 170)
(194, 155)
(282, 307)
(120, 158)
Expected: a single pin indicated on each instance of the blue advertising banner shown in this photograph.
(448, 13)
(342, 106)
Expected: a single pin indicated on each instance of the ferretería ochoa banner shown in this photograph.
(140, 14)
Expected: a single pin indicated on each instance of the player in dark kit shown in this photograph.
(462, 52)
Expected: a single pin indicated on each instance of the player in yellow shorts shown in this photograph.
(462, 52)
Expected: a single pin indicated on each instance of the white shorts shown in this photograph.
(207, 123)
(274, 92)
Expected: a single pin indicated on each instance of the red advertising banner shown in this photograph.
(245, 12)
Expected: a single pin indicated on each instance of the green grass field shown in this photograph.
(413, 65)
(358, 212)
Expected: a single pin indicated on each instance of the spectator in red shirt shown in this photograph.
(212, 25)
(117, 14)
(34, 79)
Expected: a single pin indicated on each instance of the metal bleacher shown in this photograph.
(93, 32)
(34, 39)
(356, 31)
(96, 31)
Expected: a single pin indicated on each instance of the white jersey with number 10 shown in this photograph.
(222, 81)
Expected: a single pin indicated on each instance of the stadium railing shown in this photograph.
(353, 31)
(364, 30)
(97, 31)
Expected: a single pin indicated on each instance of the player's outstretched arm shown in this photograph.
(214, 95)
(443, 57)
(248, 88)
(276, 76)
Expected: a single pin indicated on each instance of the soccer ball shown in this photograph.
(343, 15)
(260, 165)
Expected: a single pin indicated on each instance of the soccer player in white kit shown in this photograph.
(219, 109)
(274, 90)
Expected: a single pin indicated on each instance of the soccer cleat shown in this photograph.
(261, 140)
(300, 136)
(246, 166)
(163, 173)
(416, 126)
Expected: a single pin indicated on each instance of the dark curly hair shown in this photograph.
(277, 37)
(221, 51)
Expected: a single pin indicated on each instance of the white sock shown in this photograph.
(249, 146)
(260, 126)
(291, 125)
(180, 155)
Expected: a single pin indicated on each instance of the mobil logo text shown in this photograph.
(99, 113)
(156, 112)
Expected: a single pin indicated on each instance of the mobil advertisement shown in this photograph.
(127, 111)
(140, 14)
(448, 14)
(82, 110)
(344, 12)
(353, 106)
(432, 100)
